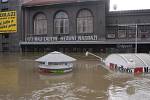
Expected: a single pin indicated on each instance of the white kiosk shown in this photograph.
(55, 62)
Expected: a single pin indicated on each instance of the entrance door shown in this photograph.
(5, 42)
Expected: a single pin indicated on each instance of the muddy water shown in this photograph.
(20, 80)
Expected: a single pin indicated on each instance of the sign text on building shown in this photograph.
(8, 22)
(61, 38)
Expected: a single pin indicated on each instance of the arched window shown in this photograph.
(40, 24)
(84, 22)
(61, 23)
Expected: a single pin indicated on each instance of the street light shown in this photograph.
(89, 53)
(136, 36)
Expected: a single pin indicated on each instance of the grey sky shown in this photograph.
(130, 4)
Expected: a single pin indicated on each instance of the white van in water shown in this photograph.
(135, 63)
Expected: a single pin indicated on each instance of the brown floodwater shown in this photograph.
(20, 80)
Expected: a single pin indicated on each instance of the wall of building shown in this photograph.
(97, 8)
(101, 16)
(129, 23)
(121, 35)
(128, 17)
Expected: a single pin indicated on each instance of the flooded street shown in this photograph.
(20, 80)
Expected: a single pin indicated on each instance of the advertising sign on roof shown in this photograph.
(8, 22)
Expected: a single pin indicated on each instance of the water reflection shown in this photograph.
(20, 80)
(133, 88)
(49, 79)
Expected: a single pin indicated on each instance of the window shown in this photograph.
(40, 24)
(131, 31)
(84, 22)
(111, 32)
(144, 30)
(111, 36)
(122, 31)
(61, 23)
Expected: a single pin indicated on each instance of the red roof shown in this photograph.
(50, 2)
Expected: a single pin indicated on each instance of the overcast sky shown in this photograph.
(130, 4)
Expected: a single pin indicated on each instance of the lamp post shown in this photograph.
(136, 40)
(89, 53)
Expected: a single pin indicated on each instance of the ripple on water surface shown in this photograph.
(128, 87)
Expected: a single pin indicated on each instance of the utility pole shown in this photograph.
(136, 40)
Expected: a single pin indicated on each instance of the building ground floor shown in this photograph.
(99, 48)
(9, 42)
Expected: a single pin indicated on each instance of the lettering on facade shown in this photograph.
(41, 39)
(61, 38)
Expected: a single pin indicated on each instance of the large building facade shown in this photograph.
(67, 27)
(80, 25)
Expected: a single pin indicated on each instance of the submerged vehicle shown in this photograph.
(55, 62)
(135, 63)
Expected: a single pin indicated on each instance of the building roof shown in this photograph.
(51, 2)
(55, 57)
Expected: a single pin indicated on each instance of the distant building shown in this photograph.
(78, 26)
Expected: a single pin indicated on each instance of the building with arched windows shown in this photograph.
(64, 25)
(78, 26)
